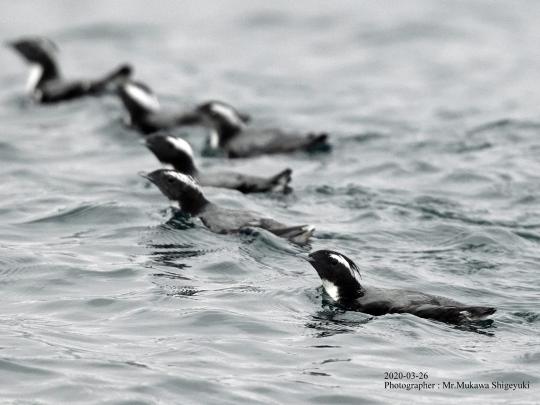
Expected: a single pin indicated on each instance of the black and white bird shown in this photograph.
(189, 195)
(235, 138)
(341, 280)
(146, 114)
(178, 153)
(46, 84)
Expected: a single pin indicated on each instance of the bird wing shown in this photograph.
(252, 142)
(225, 220)
(247, 183)
(57, 90)
(451, 314)
(232, 180)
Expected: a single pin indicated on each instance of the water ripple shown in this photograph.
(111, 296)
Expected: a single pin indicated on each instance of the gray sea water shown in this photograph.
(108, 296)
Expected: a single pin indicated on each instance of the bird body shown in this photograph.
(45, 83)
(185, 190)
(178, 153)
(236, 138)
(341, 281)
(145, 112)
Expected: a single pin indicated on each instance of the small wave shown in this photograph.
(18, 368)
(468, 146)
(367, 136)
(332, 320)
(408, 32)
(505, 123)
(529, 317)
(121, 32)
(264, 19)
(96, 214)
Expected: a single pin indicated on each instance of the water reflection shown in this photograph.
(332, 319)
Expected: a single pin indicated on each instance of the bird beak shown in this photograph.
(246, 118)
(306, 257)
(146, 176)
(53, 45)
(10, 44)
(146, 142)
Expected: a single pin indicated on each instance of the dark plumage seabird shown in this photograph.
(184, 190)
(146, 114)
(179, 154)
(232, 136)
(45, 83)
(341, 281)
(230, 133)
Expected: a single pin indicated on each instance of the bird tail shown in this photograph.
(474, 313)
(280, 182)
(318, 142)
(455, 315)
(297, 234)
(112, 79)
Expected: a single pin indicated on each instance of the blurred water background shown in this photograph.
(433, 184)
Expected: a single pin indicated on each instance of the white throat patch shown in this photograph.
(331, 289)
(227, 113)
(142, 97)
(36, 71)
(214, 139)
(180, 144)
